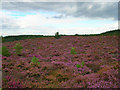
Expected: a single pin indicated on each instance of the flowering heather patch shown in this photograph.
(96, 55)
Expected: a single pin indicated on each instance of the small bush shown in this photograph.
(5, 51)
(79, 65)
(57, 36)
(18, 48)
(73, 51)
(82, 63)
(35, 60)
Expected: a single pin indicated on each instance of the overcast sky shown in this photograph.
(47, 18)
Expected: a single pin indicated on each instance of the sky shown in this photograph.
(37, 17)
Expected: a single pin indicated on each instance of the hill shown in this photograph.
(111, 33)
(22, 37)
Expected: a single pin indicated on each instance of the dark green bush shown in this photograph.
(4, 51)
(76, 34)
(57, 36)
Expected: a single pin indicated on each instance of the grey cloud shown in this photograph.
(8, 23)
(59, 16)
(108, 10)
(119, 11)
(60, 1)
(75, 9)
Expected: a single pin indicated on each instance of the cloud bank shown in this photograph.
(65, 17)
(75, 9)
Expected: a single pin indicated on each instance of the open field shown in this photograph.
(57, 68)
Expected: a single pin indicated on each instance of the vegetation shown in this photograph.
(57, 36)
(111, 33)
(35, 60)
(79, 65)
(48, 63)
(5, 51)
(73, 51)
(22, 37)
(18, 47)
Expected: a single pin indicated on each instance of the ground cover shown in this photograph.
(67, 62)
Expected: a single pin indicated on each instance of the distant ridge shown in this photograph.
(22, 37)
(111, 33)
(107, 33)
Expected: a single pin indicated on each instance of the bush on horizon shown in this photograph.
(57, 36)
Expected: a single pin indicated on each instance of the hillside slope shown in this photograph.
(111, 33)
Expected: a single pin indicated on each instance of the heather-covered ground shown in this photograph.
(57, 68)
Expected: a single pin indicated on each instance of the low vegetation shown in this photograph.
(23, 37)
(68, 62)
(4, 51)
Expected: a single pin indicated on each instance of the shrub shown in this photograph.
(4, 51)
(57, 36)
(76, 34)
(18, 48)
(79, 65)
(73, 51)
(35, 60)
(82, 63)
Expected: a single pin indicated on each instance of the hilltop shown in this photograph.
(111, 33)
(22, 37)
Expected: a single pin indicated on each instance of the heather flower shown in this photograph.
(6, 69)
(62, 61)
(7, 77)
(14, 84)
(4, 57)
